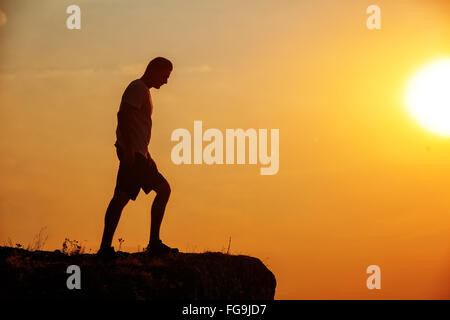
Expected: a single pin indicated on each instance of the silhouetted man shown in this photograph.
(137, 169)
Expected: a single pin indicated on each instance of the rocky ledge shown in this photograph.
(135, 276)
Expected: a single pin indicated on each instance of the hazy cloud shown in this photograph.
(139, 68)
(197, 69)
(3, 18)
(10, 73)
(131, 69)
(44, 73)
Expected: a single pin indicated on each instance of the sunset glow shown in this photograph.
(428, 97)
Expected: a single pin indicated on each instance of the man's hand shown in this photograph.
(128, 156)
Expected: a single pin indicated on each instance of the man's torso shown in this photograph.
(139, 108)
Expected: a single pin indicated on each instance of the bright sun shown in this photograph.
(428, 97)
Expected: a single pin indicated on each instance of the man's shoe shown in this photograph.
(159, 248)
(106, 253)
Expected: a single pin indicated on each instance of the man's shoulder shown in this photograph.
(135, 88)
(137, 83)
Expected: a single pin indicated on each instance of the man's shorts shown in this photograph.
(142, 174)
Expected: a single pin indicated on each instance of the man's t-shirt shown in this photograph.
(137, 103)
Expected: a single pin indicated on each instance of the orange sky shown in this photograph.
(360, 181)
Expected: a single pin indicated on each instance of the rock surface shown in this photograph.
(136, 276)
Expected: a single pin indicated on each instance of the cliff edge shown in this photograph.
(136, 276)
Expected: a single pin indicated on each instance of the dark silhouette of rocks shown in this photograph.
(136, 276)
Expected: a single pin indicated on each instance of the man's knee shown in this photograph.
(163, 190)
(120, 198)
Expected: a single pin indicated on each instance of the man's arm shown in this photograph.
(124, 122)
(131, 102)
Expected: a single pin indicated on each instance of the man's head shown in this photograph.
(157, 72)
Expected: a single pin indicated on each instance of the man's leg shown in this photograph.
(115, 207)
(158, 208)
